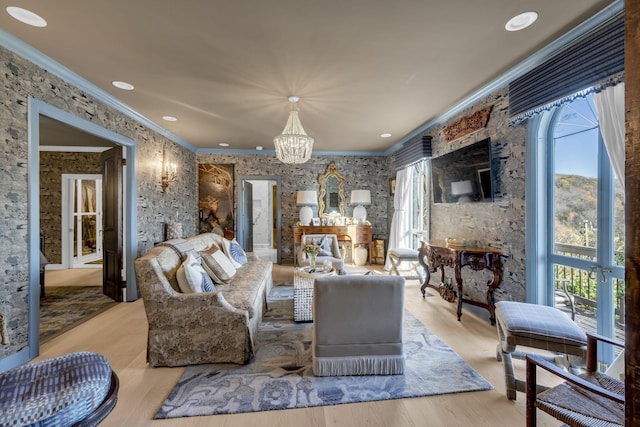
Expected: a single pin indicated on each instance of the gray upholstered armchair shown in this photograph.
(329, 250)
(357, 327)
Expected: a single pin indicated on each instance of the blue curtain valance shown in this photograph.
(591, 64)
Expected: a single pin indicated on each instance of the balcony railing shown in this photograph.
(582, 284)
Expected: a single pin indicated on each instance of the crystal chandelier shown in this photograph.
(293, 145)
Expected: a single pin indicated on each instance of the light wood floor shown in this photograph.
(73, 277)
(120, 335)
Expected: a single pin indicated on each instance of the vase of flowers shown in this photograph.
(312, 251)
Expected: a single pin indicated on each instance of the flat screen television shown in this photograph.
(464, 175)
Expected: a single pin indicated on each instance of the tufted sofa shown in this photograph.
(195, 328)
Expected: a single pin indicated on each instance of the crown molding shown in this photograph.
(26, 51)
(605, 15)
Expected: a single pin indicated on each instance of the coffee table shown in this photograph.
(303, 291)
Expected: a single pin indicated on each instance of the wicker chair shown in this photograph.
(588, 399)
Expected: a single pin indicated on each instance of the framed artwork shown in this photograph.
(315, 222)
(392, 186)
(215, 197)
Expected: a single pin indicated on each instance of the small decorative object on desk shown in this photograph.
(327, 266)
(312, 252)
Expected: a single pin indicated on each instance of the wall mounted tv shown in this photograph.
(464, 175)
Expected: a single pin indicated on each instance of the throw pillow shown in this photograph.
(192, 277)
(216, 263)
(325, 247)
(235, 253)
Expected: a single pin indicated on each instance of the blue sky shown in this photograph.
(576, 144)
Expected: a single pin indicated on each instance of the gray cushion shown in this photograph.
(404, 254)
(539, 322)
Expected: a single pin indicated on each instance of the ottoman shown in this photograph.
(398, 255)
(534, 326)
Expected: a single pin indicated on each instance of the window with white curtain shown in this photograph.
(419, 200)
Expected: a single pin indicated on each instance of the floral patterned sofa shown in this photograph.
(195, 328)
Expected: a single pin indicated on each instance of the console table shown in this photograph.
(356, 234)
(439, 255)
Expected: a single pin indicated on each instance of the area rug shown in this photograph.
(65, 307)
(280, 376)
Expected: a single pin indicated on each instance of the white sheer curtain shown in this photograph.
(400, 233)
(610, 106)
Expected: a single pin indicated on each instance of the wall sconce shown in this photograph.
(360, 199)
(169, 171)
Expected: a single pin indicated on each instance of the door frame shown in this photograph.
(240, 190)
(36, 108)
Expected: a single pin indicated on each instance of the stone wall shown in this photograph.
(500, 223)
(22, 79)
(361, 173)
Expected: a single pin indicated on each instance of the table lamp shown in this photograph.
(462, 190)
(360, 198)
(306, 199)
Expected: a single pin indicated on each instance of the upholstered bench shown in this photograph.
(358, 324)
(534, 326)
(74, 389)
(399, 255)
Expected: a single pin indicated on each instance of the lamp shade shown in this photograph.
(307, 198)
(361, 197)
(461, 188)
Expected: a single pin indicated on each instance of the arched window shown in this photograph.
(582, 230)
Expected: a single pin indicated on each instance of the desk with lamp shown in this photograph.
(355, 230)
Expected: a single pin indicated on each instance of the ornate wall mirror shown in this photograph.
(331, 198)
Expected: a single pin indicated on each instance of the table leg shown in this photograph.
(496, 267)
(459, 283)
(421, 255)
(491, 305)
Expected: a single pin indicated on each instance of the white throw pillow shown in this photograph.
(235, 253)
(217, 265)
(193, 278)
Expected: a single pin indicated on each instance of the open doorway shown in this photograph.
(71, 225)
(259, 216)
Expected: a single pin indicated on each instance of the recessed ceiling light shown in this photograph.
(223, 144)
(385, 135)
(169, 118)
(26, 16)
(259, 147)
(522, 21)
(122, 85)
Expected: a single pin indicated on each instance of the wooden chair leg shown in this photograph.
(531, 394)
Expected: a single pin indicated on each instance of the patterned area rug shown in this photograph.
(65, 307)
(280, 376)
